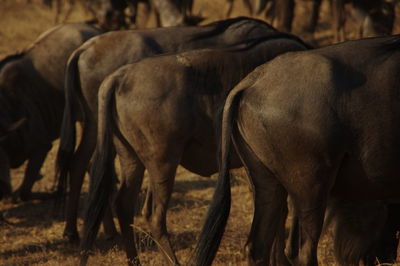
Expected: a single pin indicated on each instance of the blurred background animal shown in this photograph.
(32, 87)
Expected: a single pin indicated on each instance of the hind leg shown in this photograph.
(309, 200)
(132, 171)
(269, 207)
(311, 216)
(79, 166)
(108, 224)
(292, 245)
(278, 256)
(148, 203)
(269, 203)
(162, 169)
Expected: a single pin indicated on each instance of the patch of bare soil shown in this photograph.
(30, 234)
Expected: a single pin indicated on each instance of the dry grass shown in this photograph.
(33, 236)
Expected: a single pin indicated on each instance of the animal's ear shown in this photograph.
(16, 125)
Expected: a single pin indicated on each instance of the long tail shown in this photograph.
(73, 94)
(103, 179)
(218, 213)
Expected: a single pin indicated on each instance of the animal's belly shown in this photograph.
(200, 158)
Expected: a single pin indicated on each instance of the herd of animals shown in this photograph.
(316, 129)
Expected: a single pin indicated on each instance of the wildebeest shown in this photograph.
(306, 124)
(161, 113)
(93, 61)
(31, 87)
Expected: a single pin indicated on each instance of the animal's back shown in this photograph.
(50, 52)
(107, 52)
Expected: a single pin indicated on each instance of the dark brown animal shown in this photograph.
(161, 112)
(31, 87)
(93, 61)
(305, 124)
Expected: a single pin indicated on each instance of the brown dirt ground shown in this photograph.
(33, 236)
